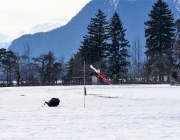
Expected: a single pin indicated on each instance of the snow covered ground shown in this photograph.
(112, 112)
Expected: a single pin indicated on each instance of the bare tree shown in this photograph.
(47, 68)
(29, 74)
(136, 59)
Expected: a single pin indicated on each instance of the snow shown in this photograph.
(112, 112)
(177, 5)
(114, 3)
(45, 27)
(5, 41)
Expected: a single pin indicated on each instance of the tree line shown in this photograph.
(106, 47)
(21, 69)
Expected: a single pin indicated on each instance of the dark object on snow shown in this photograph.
(53, 102)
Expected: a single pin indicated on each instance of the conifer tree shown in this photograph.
(6, 59)
(69, 71)
(74, 68)
(94, 44)
(159, 33)
(176, 45)
(117, 50)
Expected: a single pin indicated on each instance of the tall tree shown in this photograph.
(176, 45)
(69, 71)
(44, 65)
(94, 44)
(159, 33)
(29, 72)
(117, 50)
(136, 58)
(6, 58)
(74, 68)
(17, 67)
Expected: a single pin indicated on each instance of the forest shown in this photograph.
(106, 47)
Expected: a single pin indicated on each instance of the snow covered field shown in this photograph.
(112, 112)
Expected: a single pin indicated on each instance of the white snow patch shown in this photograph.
(114, 3)
(177, 4)
(5, 41)
(41, 28)
(121, 112)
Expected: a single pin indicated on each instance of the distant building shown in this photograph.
(79, 80)
(94, 80)
(179, 74)
(89, 80)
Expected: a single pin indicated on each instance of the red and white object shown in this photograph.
(100, 75)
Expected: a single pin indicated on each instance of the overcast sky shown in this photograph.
(21, 15)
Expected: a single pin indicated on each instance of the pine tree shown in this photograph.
(74, 68)
(159, 36)
(176, 45)
(6, 63)
(69, 71)
(117, 50)
(85, 50)
(94, 44)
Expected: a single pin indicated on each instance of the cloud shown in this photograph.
(19, 15)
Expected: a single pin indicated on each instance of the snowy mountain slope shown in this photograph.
(5, 41)
(41, 28)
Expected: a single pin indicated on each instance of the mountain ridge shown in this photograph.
(65, 41)
(45, 27)
(6, 41)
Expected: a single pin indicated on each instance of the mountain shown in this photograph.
(5, 41)
(41, 28)
(65, 40)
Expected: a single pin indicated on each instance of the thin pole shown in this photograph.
(84, 74)
(84, 84)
